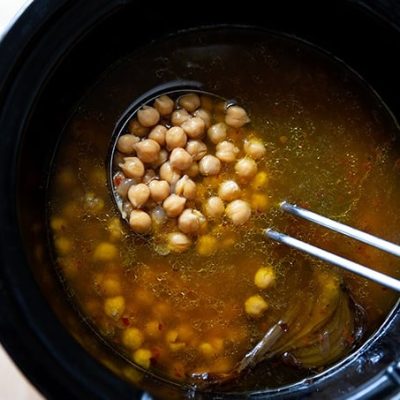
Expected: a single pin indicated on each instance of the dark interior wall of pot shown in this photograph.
(360, 38)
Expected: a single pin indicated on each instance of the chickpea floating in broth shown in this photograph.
(179, 117)
(209, 165)
(180, 159)
(236, 117)
(169, 174)
(189, 221)
(158, 134)
(190, 102)
(226, 151)
(214, 207)
(217, 132)
(132, 167)
(186, 187)
(175, 137)
(188, 159)
(135, 128)
(194, 127)
(238, 211)
(147, 150)
(229, 190)
(164, 105)
(204, 115)
(174, 205)
(254, 148)
(159, 190)
(126, 143)
(138, 195)
(140, 221)
(148, 116)
(178, 242)
(246, 168)
(197, 149)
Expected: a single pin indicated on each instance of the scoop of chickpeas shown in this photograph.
(179, 157)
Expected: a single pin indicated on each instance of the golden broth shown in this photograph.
(331, 146)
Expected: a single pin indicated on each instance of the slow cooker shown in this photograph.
(52, 53)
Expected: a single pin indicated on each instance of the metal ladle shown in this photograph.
(174, 89)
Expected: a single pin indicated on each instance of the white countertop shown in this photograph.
(13, 385)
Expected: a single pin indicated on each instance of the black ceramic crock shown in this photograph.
(53, 52)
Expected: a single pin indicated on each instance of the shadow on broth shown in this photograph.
(190, 313)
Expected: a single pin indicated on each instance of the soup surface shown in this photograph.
(330, 146)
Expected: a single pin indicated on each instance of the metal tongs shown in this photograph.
(324, 255)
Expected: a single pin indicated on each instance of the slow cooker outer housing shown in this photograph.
(49, 58)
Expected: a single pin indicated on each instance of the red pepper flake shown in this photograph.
(155, 354)
(118, 179)
(160, 326)
(125, 321)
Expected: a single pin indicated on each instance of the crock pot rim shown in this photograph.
(29, 13)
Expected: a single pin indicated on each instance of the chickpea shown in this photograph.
(138, 195)
(159, 190)
(189, 102)
(114, 306)
(132, 338)
(209, 165)
(197, 149)
(189, 221)
(229, 190)
(140, 221)
(158, 134)
(175, 137)
(178, 242)
(142, 357)
(254, 148)
(180, 159)
(226, 151)
(204, 115)
(186, 187)
(174, 205)
(260, 180)
(207, 349)
(64, 245)
(126, 143)
(236, 117)
(149, 176)
(115, 229)
(194, 127)
(136, 129)
(148, 116)
(147, 150)
(238, 211)
(214, 207)
(217, 132)
(105, 252)
(111, 286)
(259, 202)
(162, 157)
(246, 168)
(153, 328)
(132, 167)
(164, 105)
(193, 170)
(206, 245)
(179, 117)
(169, 174)
(57, 223)
(264, 277)
(255, 306)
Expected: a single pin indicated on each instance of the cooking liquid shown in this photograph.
(331, 147)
